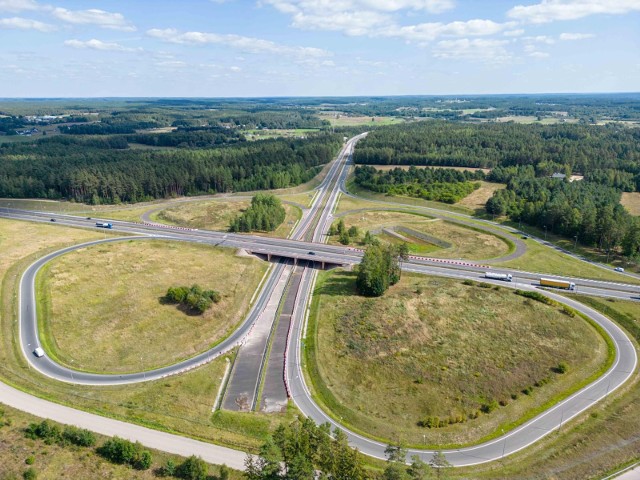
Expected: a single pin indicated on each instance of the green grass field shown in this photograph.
(434, 347)
(466, 243)
(598, 442)
(102, 309)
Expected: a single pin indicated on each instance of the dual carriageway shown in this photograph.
(282, 371)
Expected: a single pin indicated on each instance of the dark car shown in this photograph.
(311, 253)
(53, 219)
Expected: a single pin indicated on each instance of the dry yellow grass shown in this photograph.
(217, 215)
(436, 347)
(478, 199)
(106, 313)
(466, 243)
(631, 201)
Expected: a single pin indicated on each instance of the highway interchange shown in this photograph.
(313, 226)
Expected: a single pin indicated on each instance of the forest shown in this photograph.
(524, 157)
(438, 184)
(92, 171)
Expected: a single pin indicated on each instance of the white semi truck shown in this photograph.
(505, 277)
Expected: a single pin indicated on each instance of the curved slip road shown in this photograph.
(29, 339)
(548, 421)
(517, 439)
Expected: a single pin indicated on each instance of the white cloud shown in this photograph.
(100, 45)
(353, 17)
(235, 69)
(552, 10)
(538, 54)
(539, 39)
(245, 44)
(514, 33)
(114, 21)
(426, 32)
(15, 6)
(479, 49)
(19, 23)
(576, 36)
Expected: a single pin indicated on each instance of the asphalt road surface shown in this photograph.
(513, 441)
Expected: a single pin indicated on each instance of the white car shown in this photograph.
(619, 269)
(38, 352)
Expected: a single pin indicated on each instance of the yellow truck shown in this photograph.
(550, 282)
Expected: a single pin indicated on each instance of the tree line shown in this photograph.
(438, 184)
(83, 172)
(582, 148)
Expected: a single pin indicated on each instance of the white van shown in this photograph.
(619, 269)
(38, 352)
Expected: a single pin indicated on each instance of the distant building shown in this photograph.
(561, 176)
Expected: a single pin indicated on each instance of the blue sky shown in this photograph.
(217, 48)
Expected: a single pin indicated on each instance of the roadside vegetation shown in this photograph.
(465, 361)
(219, 215)
(131, 326)
(42, 449)
(450, 240)
(265, 214)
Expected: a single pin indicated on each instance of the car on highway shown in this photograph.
(38, 352)
(311, 253)
(619, 269)
(52, 219)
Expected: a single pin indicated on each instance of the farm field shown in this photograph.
(445, 359)
(125, 326)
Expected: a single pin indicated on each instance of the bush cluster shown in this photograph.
(266, 213)
(538, 297)
(119, 450)
(52, 433)
(194, 297)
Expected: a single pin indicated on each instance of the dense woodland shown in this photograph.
(524, 157)
(91, 170)
(441, 185)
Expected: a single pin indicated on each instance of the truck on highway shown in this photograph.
(507, 277)
(549, 282)
(104, 225)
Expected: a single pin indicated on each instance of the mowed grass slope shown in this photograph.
(466, 242)
(104, 310)
(217, 215)
(434, 347)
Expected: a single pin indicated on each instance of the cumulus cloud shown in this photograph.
(427, 32)
(538, 54)
(552, 10)
(245, 44)
(94, 44)
(15, 6)
(19, 23)
(576, 36)
(101, 18)
(353, 17)
(478, 49)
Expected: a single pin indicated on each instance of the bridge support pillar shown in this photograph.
(268, 257)
(323, 265)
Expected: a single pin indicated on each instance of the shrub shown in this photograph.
(489, 406)
(468, 282)
(119, 450)
(568, 311)
(485, 285)
(44, 430)
(224, 472)
(193, 468)
(168, 470)
(79, 436)
(562, 367)
(30, 474)
(30, 460)
(527, 390)
(537, 296)
(195, 297)
(504, 402)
